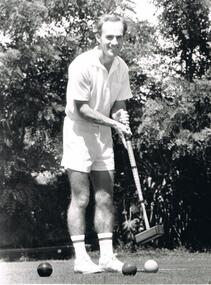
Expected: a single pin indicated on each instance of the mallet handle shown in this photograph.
(137, 181)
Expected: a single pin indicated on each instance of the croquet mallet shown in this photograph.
(148, 234)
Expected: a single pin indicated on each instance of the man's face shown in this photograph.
(111, 38)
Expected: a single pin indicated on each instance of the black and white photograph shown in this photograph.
(105, 142)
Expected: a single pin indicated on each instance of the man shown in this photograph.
(97, 89)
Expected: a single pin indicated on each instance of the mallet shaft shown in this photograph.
(137, 181)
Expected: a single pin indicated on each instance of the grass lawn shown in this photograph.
(175, 267)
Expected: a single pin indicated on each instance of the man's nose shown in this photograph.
(114, 41)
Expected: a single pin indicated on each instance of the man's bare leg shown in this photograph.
(80, 193)
(103, 182)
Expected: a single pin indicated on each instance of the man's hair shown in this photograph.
(110, 18)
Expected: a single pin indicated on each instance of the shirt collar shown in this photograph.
(96, 60)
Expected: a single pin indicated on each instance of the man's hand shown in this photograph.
(123, 130)
(121, 116)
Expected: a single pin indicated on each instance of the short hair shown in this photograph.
(110, 18)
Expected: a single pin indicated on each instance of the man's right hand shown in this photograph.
(123, 129)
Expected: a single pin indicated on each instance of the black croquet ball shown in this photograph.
(44, 269)
(129, 269)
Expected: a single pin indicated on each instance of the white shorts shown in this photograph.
(87, 147)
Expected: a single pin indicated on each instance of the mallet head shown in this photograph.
(150, 234)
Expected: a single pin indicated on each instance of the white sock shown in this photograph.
(106, 245)
(79, 246)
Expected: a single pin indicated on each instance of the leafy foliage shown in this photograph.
(42, 38)
(187, 24)
(172, 150)
(170, 119)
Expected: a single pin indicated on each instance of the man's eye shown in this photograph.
(119, 38)
(109, 38)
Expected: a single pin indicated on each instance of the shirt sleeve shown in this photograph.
(125, 93)
(78, 87)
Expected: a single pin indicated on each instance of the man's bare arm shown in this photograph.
(96, 117)
(119, 112)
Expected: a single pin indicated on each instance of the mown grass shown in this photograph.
(175, 267)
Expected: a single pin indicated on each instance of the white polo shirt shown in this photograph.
(90, 81)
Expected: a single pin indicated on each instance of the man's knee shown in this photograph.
(81, 200)
(103, 199)
(80, 192)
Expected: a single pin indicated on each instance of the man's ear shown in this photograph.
(97, 36)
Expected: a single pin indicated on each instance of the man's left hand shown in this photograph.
(122, 116)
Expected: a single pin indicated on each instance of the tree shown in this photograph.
(187, 24)
(170, 117)
(171, 136)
